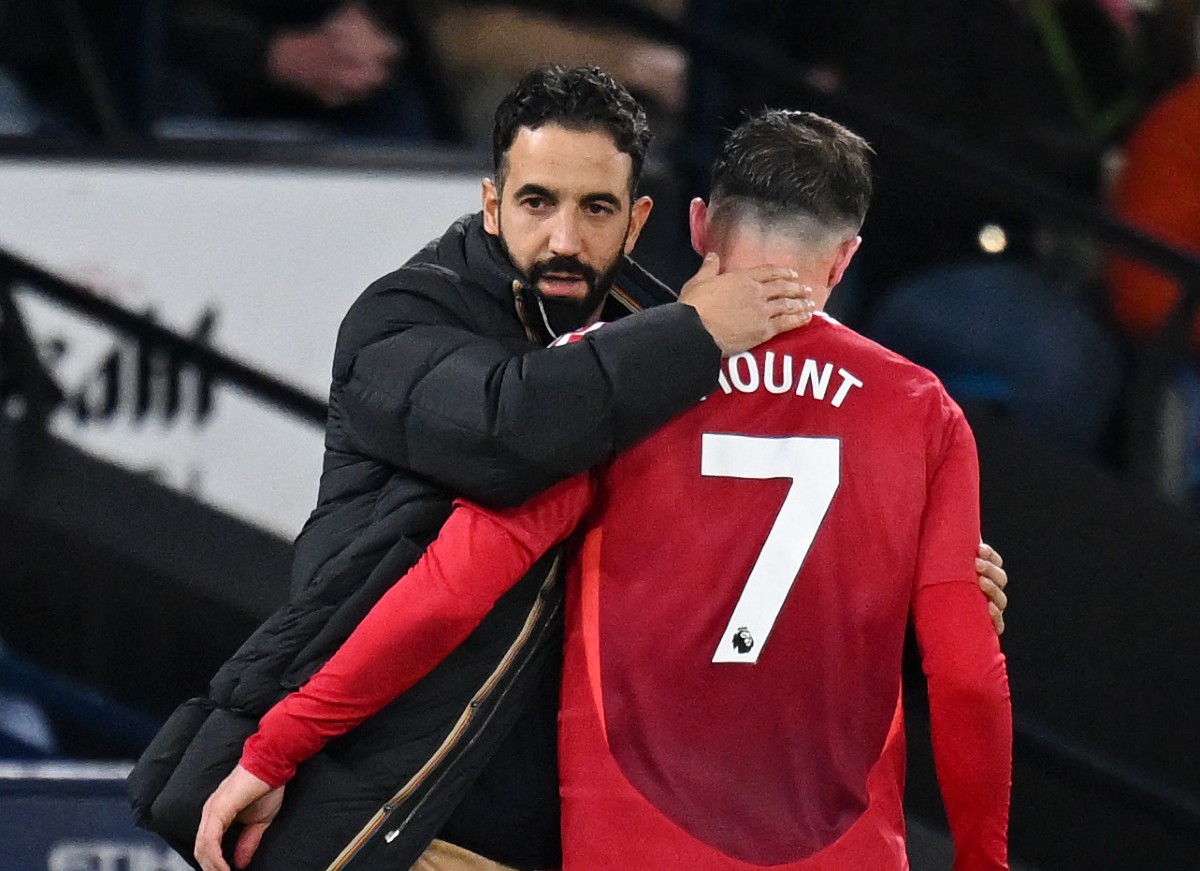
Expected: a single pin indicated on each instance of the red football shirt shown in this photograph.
(732, 677)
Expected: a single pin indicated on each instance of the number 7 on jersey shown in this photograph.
(814, 468)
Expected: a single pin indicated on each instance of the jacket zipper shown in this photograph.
(452, 739)
(522, 314)
(624, 299)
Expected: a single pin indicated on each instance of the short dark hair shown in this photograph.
(779, 164)
(578, 98)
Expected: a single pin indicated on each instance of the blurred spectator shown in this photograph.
(1157, 189)
(66, 68)
(488, 46)
(1040, 84)
(1001, 335)
(359, 68)
(391, 70)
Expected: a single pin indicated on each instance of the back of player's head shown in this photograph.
(782, 167)
(578, 98)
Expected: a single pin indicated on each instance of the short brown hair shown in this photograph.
(780, 164)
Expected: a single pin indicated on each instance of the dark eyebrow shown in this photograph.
(534, 190)
(602, 197)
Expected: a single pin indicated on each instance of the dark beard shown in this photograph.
(554, 316)
(561, 314)
(551, 317)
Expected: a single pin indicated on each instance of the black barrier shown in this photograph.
(73, 816)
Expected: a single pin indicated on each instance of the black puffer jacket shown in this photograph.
(440, 387)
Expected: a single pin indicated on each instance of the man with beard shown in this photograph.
(442, 387)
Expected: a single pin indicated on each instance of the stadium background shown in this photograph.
(168, 302)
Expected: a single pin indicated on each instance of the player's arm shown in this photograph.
(971, 720)
(970, 711)
(417, 387)
(476, 558)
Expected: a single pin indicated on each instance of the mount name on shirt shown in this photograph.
(782, 374)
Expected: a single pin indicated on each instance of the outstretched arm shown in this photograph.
(477, 557)
(496, 420)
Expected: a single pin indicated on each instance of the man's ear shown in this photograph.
(637, 219)
(698, 225)
(491, 207)
(845, 253)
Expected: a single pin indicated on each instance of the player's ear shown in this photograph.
(841, 260)
(698, 225)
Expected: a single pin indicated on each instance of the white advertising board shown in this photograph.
(263, 262)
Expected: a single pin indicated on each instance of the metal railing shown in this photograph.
(153, 337)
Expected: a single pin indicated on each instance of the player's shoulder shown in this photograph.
(893, 377)
(909, 391)
(857, 347)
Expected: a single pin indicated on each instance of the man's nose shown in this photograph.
(565, 235)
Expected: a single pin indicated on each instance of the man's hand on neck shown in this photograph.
(746, 308)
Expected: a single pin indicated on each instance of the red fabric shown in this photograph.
(972, 736)
(851, 475)
(971, 720)
(477, 557)
(608, 824)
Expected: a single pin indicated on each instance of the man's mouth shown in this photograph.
(563, 284)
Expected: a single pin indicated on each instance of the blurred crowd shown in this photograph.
(369, 69)
(1096, 98)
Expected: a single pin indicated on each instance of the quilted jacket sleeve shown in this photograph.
(498, 419)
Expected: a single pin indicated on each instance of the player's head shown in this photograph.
(568, 148)
(788, 188)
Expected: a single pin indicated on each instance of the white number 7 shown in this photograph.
(813, 465)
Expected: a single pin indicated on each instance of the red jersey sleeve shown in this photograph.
(426, 614)
(969, 706)
(950, 524)
(971, 720)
